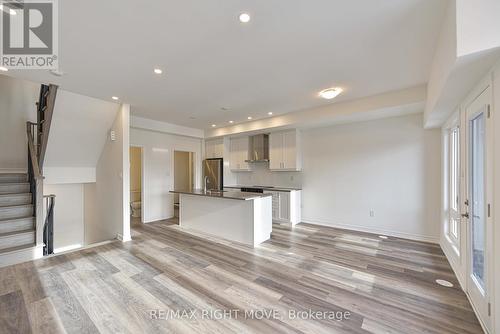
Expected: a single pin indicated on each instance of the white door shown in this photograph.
(478, 183)
(275, 150)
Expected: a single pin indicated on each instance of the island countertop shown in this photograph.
(231, 194)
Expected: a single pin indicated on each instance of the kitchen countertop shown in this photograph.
(237, 195)
(264, 187)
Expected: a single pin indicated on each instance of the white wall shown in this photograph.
(78, 131)
(68, 215)
(174, 129)
(390, 166)
(158, 149)
(395, 103)
(17, 106)
(478, 25)
(107, 210)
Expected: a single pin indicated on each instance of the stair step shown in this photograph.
(16, 211)
(13, 177)
(15, 199)
(17, 238)
(18, 224)
(14, 188)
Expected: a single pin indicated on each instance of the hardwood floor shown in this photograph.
(373, 285)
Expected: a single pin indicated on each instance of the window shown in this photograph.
(454, 186)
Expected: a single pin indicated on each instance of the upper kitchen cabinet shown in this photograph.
(238, 154)
(214, 148)
(284, 151)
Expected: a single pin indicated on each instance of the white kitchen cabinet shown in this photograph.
(286, 206)
(284, 151)
(238, 154)
(214, 148)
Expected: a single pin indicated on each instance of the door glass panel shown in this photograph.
(477, 192)
(454, 158)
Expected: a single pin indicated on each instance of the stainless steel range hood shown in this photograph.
(258, 148)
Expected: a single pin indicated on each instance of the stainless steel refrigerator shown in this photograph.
(213, 174)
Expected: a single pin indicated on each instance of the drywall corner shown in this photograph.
(107, 202)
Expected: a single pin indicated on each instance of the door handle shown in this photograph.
(465, 215)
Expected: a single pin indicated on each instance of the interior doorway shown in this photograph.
(136, 186)
(183, 175)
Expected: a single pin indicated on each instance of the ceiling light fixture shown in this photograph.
(270, 113)
(249, 117)
(214, 125)
(158, 70)
(330, 93)
(3, 69)
(231, 122)
(244, 17)
(115, 98)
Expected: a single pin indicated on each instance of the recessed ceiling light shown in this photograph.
(115, 98)
(270, 113)
(158, 71)
(3, 69)
(244, 17)
(231, 122)
(330, 93)
(249, 117)
(214, 125)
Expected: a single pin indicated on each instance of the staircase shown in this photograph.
(17, 220)
(26, 232)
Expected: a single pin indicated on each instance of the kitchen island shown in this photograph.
(233, 215)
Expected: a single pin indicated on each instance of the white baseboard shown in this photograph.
(453, 263)
(147, 221)
(122, 238)
(13, 170)
(67, 248)
(20, 256)
(416, 237)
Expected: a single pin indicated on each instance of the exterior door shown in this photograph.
(479, 193)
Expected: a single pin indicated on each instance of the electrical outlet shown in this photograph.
(291, 178)
(372, 213)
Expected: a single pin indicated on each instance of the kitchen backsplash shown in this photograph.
(262, 176)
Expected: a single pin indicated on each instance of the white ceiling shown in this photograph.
(278, 62)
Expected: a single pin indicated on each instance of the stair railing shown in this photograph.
(35, 179)
(48, 228)
(38, 135)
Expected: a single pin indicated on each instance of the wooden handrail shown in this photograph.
(32, 152)
(47, 120)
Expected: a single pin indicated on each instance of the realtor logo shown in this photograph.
(29, 34)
